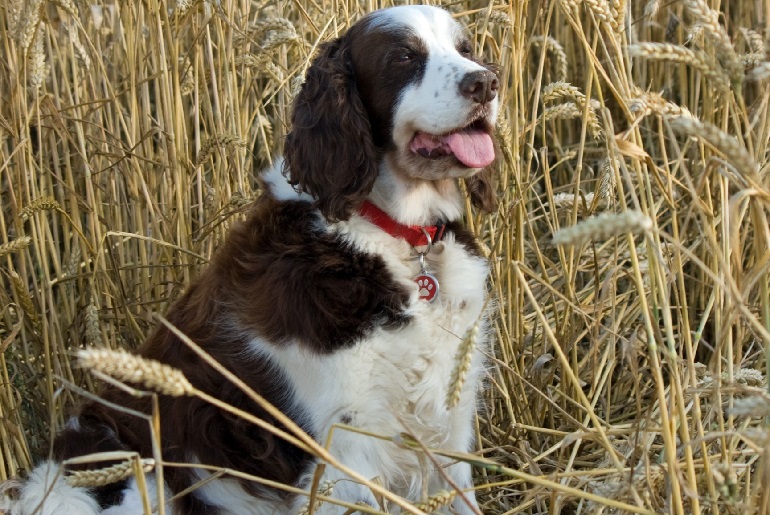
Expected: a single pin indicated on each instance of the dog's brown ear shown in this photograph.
(481, 189)
(330, 153)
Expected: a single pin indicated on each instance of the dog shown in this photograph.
(342, 298)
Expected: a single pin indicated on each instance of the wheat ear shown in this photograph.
(602, 227)
(107, 475)
(463, 360)
(129, 368)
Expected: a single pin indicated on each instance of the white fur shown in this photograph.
(133, 500)
(46, 492)
(414, 201)
(279, 186)
(228, 495)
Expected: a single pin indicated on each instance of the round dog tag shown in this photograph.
(428, 286)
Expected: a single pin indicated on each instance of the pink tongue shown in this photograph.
(471, 147)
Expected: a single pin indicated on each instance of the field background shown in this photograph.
(629, 366)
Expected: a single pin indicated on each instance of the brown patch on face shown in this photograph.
(386, 60)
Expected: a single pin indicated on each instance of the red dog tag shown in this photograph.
(428, 286)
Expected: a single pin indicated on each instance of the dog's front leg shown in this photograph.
(354, 453)
(464, 504)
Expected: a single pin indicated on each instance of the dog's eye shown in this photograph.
(465, 50)
(404, 55)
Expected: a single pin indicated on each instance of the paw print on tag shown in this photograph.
(428, 286)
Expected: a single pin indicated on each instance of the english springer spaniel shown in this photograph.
(343, 298)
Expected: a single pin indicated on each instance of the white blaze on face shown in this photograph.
(432, 115)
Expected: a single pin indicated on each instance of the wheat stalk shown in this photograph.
(437, 501)
(560, 89)
(24, 20)
(107, 475)
(25, 300)
(752, 60)
(46, 203)
(708, 19)
(563, 111)
(129, 368)
(601, 9)
(220, 141)
(495, 16)
(80, 50)
(269, 33)
(326, 488)
(14, 246)
(606, 187)
(554, 47)
(645, 103)
(753, 406)
(604, 226)
(618, 10)
(678, 54)
(568, 200)
(37, 65)
(463, 360)
(93, 333)
(723, 142)
(182, 7)
(651, 8)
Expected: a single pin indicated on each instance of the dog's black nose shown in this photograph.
(480, 86)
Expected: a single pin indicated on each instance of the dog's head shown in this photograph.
(401, 85)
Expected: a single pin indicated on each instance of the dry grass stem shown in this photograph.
(560, 89)
(107, 475)
(565, 111)
(696, 59)
(463, 359)
(567, 200)
(326, 488)
(25, 299)
(705, 17)
(226, 141)
(557, 51)
(646, 103)
(604, 226)
(47, 203)
(16, 245)
(437, 501)
(130, 368)
(723, 142)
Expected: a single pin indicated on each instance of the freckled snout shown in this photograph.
(480, 86)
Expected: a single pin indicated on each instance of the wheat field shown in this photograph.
(630, 247)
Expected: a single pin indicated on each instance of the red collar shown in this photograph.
(413, 234)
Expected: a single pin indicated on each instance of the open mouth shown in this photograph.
(471, 145)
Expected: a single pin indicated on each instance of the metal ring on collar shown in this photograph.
(430, 240)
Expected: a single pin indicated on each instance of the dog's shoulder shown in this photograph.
(289, 279)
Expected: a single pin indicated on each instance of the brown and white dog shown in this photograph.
(320, 301)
